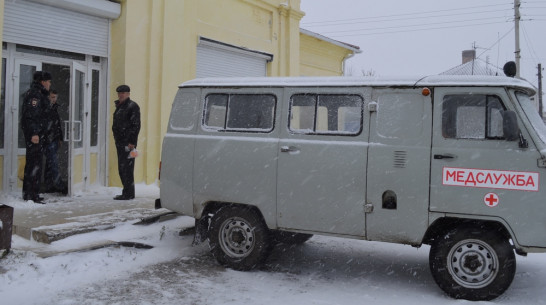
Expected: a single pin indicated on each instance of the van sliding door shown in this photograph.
(322, 161)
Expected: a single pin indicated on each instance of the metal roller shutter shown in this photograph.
(215, 59)
(50, 27)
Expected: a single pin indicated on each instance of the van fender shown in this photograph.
(206, 211)
(440, 223)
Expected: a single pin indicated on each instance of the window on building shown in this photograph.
(25, 80)
(240, 112)
(326, 114)
(472, 116)
(95, 94)
(2, 103)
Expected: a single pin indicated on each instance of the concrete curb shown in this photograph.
(89, 223)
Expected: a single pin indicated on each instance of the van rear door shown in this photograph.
(398, 166)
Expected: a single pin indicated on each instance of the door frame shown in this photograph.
(11, 151)
(77, 127)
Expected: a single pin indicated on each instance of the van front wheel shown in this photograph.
(239, 238)
(472, 264)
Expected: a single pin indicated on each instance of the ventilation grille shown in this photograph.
(400, 159)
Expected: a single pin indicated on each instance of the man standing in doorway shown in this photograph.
(126, 126)
(33, 123)
(54, 140)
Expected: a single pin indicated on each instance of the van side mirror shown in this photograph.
(510, 125)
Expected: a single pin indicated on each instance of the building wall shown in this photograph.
(154, 46)
(1, 33)
(1, 19)
(321, 58)
(153, 49)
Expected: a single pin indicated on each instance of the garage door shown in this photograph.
(34, 24)
(216, 59)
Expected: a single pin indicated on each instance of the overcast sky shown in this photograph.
(423, 37)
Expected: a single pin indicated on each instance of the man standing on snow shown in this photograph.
(33, 123)
(54, 140)
(126, 126)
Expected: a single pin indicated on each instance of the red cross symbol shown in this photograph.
(491, 199)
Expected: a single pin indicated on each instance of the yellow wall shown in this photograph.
(21, 161)
(1, 176)
(77, 169)
(321, 58)
(1, 33)
(93, 168)
(154, 45)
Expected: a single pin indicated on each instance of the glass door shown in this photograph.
(24, 70)
(74, 130)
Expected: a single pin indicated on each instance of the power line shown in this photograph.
(415, 30)
(405, 14)
(529, 44)
(347, 22)
(496, 42)
(411, 25)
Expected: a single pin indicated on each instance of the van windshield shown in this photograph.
(532, 114)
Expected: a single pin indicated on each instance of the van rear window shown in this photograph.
(239, 112)
(326, 114)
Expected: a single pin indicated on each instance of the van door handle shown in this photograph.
(289, 149)
(440, 157)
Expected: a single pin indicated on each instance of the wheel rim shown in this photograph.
(237, 237)
(473, 263)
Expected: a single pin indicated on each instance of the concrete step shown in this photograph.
(88, 223)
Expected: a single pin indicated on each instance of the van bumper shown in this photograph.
(158, 203)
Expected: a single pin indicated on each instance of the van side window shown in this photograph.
(472, 116)
(240, 112)
(183, 111)
(326, 114)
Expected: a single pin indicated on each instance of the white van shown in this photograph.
(455, 162)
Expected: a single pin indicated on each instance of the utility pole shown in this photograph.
(517, 17)
(540, 89)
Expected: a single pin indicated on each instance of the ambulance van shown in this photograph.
(454, 162)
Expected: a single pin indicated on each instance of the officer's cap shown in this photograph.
(40, 76)
(123, 88)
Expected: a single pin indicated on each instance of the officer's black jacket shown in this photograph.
(35, 108)
(54, 131)
(126, 123)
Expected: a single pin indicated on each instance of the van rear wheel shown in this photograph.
(472, 264)
(239, 238)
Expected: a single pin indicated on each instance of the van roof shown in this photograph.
(329, 81)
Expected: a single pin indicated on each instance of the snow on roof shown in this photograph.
(475, 67)
(353, 81)
(355, 49)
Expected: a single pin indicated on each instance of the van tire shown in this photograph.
(472, 263)
(289, 238)
(239, 238)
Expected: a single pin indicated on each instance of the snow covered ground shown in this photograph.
(324, 270)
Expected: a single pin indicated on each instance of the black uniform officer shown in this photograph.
(126, 126)
(33, 123)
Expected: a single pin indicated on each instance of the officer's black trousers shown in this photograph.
(126, 169)
(33, 171)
